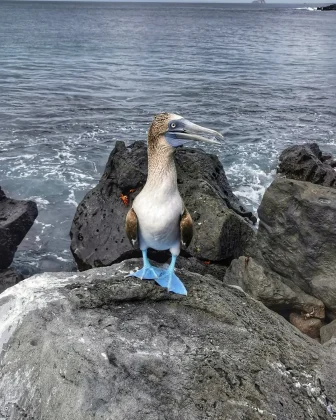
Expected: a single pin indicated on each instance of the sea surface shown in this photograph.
(76, 77)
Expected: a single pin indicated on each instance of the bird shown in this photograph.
(158, 218)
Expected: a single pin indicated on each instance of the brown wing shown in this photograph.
(132, 227)
(186, 228)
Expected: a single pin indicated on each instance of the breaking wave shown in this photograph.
(310, 9)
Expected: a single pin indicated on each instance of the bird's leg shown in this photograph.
(147, 272)
(169, 279)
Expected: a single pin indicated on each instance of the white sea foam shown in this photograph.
(42, 202)
(310, 9)
(71, 199)
(250, 183)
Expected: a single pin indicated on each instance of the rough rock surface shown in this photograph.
(8, 278)
(98, 346)
(269, 288)
(306, 163)
(16, 218)
(297, 236)
(98, 235)
(328, 332)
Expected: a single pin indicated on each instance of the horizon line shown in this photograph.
(172, 1)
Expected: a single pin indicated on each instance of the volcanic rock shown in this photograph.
(16, 218)
(98, 345)
(307, 163)
(326, 8)
(290, 264)
(8, 278)
(98, 236)
(297, 236)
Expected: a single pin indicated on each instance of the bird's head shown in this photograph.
(174, 130)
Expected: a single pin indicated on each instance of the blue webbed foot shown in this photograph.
(170, 280)
(147, 273)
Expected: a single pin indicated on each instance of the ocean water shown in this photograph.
(76, 77)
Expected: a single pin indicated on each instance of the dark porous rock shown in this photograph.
(16, 218)
(95, 345)
(8, 278)
(310, 326)
(326, 8)
(269, 288)
(98, 236)
(297, 236)
(305, 163)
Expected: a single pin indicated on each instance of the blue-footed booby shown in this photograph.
(158, 218)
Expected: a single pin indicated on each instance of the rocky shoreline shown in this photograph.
(326, 8)
(246, 284)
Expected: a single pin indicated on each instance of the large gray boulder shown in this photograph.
(95, 345)
(297, 237)
(16, 218)
(291, 263)
(98, 236)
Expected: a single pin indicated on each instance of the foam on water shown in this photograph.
(310, 9)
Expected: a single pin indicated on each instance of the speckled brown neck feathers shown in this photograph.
(158, 128)
(161, 165)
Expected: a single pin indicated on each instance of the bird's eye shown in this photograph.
(173, 125)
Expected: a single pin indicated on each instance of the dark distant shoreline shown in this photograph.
(171, 2)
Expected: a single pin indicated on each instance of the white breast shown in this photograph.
(158, 218)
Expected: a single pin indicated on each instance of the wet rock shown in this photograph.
(306, 163)
(328, 332)
(331, 162)
(221, 229)
(16, 218)
(297, 236)
(269, 288)
(8, 278)
(96, 345)
(308, 326)
(326, 158)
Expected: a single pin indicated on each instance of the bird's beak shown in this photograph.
(186, 131)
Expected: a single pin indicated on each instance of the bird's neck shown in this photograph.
(161, 168)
